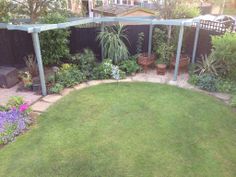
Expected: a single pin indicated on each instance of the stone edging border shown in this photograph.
(45, 102)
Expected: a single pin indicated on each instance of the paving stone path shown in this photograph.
(42, 104)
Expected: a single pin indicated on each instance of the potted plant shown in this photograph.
(143, 59)
(165, 53)
(26, 79)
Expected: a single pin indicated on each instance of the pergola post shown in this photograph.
(169, 33)
(37, 50)
(102, 47)
(195, 42)
(181, 34)
(150, 40)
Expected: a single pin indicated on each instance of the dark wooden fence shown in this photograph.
(14, 45)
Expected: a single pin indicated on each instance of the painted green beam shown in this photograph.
(37, 50)
(150, 40)
(180, 41)
(195, 42)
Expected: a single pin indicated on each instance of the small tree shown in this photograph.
(54, 43)
(112, 39)
(36, 8)
(6, 8)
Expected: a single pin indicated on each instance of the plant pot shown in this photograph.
(183, 62)
(144, 61)
(161, 69)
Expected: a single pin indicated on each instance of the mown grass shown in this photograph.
(129, 129)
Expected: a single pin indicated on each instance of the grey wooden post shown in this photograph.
(37, 50)
(150, 40)
(169, 33)
(181, 34)
(102, 47)
(195, 42)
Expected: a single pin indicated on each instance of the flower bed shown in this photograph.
(14, 119)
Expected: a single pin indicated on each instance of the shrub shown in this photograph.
(193, 79)
(207, 82)
(57, 88)
(233, 101)
(209, 65)
(185, 11)
(85, 62)
(105, 70)
(159, 37)
(112, 39)
(54, 43)
(224, 50)
(69, 75)
(227, 86)
(129, 66)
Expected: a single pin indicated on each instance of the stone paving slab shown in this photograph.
(66, 91)
(40, 106)
(80, 86)
(94, 82)
(52, 98)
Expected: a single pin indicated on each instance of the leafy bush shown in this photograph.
(139, 44)
(185, 11)
(105, 70)
(159, 37)
(129, 66)
(69, 75)
(57, 88)
(6, 9)
(226, 86)
(207, 82)
(224, 50)
(54, 43)
(85, 62)
(193, 79)
(233, 101)
(112, 39)
(209, 65)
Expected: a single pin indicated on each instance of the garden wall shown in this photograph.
(14, 45)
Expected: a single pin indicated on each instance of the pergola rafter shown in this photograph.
(35, 29)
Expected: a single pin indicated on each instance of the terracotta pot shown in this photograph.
(144, 61)
(183, 62)
(161, 69)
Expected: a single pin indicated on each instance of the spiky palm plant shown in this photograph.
(112, 39)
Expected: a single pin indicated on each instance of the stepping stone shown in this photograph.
(109, 81)
(222, 96)
(94, 82)
(66, 91)
(52, 98)
(80, 86)
(40, 106)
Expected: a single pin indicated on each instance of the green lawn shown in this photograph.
(130, 129)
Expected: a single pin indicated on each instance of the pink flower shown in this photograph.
(23, 107)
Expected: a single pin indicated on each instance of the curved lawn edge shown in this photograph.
(198, 128)
(45, 102)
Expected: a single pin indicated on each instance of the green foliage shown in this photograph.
(227, 86)
(233, 101)
(112, 39)
(57, 88)
(85, 61)
(5, 12)
(15, 101)
(69, 75)
(207, 82)
(139, 44)
(54, 43)
(104, 70)
(159, 37)
(185, 11)
(209, 65)
(193, 79)
(164, 53)
(129, 66)
(224, 50)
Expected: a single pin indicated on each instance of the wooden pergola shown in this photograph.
(35, 29)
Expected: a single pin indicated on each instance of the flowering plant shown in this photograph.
(14, 119)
